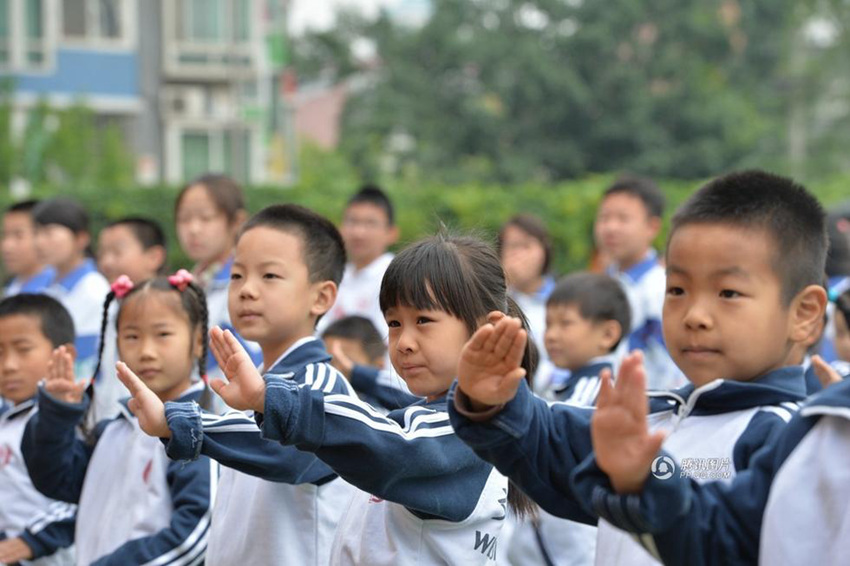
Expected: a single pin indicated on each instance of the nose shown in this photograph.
(147, 350)
(8, 363)
(697, 316)
(405, 342)
(247, 289)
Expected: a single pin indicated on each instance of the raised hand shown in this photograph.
(489, 369)
(244, 388)
(148, 408)
(60, 381)
(622, 442)
(340, 361)
(825, 372)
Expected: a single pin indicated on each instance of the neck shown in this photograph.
(530, 287)
(205, 265)
(30, 272)
(363, 263)
(176, 391)
(66, 268)
(628, 263)
(273, 351)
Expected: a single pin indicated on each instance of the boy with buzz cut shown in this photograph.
(21, 259)
(275, 504)
(33, 528)
(745, 258)
(627, 223)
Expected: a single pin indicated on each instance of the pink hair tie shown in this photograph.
(122, 286)
(181, 279)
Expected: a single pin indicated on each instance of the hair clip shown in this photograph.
(181, 279)
(122, 286)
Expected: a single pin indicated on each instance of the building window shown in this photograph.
(226, 151)
(94, 20)
(214, 21)
(23, 38)
(212, 35)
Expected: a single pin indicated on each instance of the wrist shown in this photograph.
(628, 486)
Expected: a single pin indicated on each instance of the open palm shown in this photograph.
(60, 381)
(244, 388)
(148, 408)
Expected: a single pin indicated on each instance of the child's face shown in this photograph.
(572, 340)
(24, 354)
(202, 228)
(723, 311)
(367, 233)
(842, 336)
(119, 252)
(156, 342)
(523, 257)
(59, 246)
(19, 252)
(353, 349)
(270, 298)
(425, 347)
(624, 229)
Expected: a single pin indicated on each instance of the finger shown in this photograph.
(512, 326)
(133, 405)
(215, 348)
(517, 349)
(130, 380)
(509, 384)
(606, 396)
(495, 317)
(826, 373)
(480, 338)
(217, 340)
(218, 385)
(233, 344)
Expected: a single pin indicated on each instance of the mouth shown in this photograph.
(699, 352)
(148, 373)
(248, 315)
(411, 369)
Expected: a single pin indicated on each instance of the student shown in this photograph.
(627, 222)
(426, 497)
(21, 259)
(134, 506)
(526, 252)
(33, 529)
(275, 504)
(63, 238)
(368, 229)
(209, 212)
(359, 352)
(135, 247)
(792, 506)
(744, 265)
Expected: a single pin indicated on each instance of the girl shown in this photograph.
(208, 212)
(62, 238)
(426, 498)
(135, 506)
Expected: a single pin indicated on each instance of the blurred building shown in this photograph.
(194, 84)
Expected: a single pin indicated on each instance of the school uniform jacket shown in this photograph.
(380, 388)
(134, 506)
(791, 506)
(35, 284)
(720, 425)
(45, 525)
(276, 504)
(426, 497)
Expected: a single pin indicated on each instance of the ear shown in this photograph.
(807, 310)
(324, 297)
(655, 226)
(72, 350)
(155, 258)
(392, 235)
(239, 219)
(83, 240)
(197, 343)
(611, 333)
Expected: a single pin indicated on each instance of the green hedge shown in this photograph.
(567, 208)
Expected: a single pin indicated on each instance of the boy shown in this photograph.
(32, 527)
(20, 256)
(287, 264)
(368, 229)
(627, 222)
(587, 314)
(745, 259)
(132, 246)
(359, 353)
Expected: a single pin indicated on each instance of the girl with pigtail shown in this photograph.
(135, 506)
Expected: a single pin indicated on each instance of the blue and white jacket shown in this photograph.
(35, 284)
(582, 386)
(539, 445)
(380, 389)
(45, 525)
(791, 506)
(82, 292)
(645, 284)
(275, 504)
(134, 506)
(216, 291)
(427, 498)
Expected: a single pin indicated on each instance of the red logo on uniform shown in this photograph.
(6, 455)
(146, 475)
(375, 499)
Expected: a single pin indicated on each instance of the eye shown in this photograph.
(130, 337)
(423, 320)
(235, 276)
(393, 323)
(271, 276)
(675, 291)
(729, 294)
(165, 334)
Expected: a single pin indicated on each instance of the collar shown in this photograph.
(592, 369)
(70, 281)
(193, 393)
(380, 263)
(833, 401)
(638, 270)
(307, 350)
(19, 409)
(223, 273)
(783, 385)
(38, 282)
(546, 289)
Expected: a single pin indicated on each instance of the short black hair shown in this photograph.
(23, 206)
(361, 329)
(63, 211)
(643, 188)
(792, 217)
(56, 324)
(148, 232)
(599, 298)
(324, 251)
(534, 227)
(373, 194)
